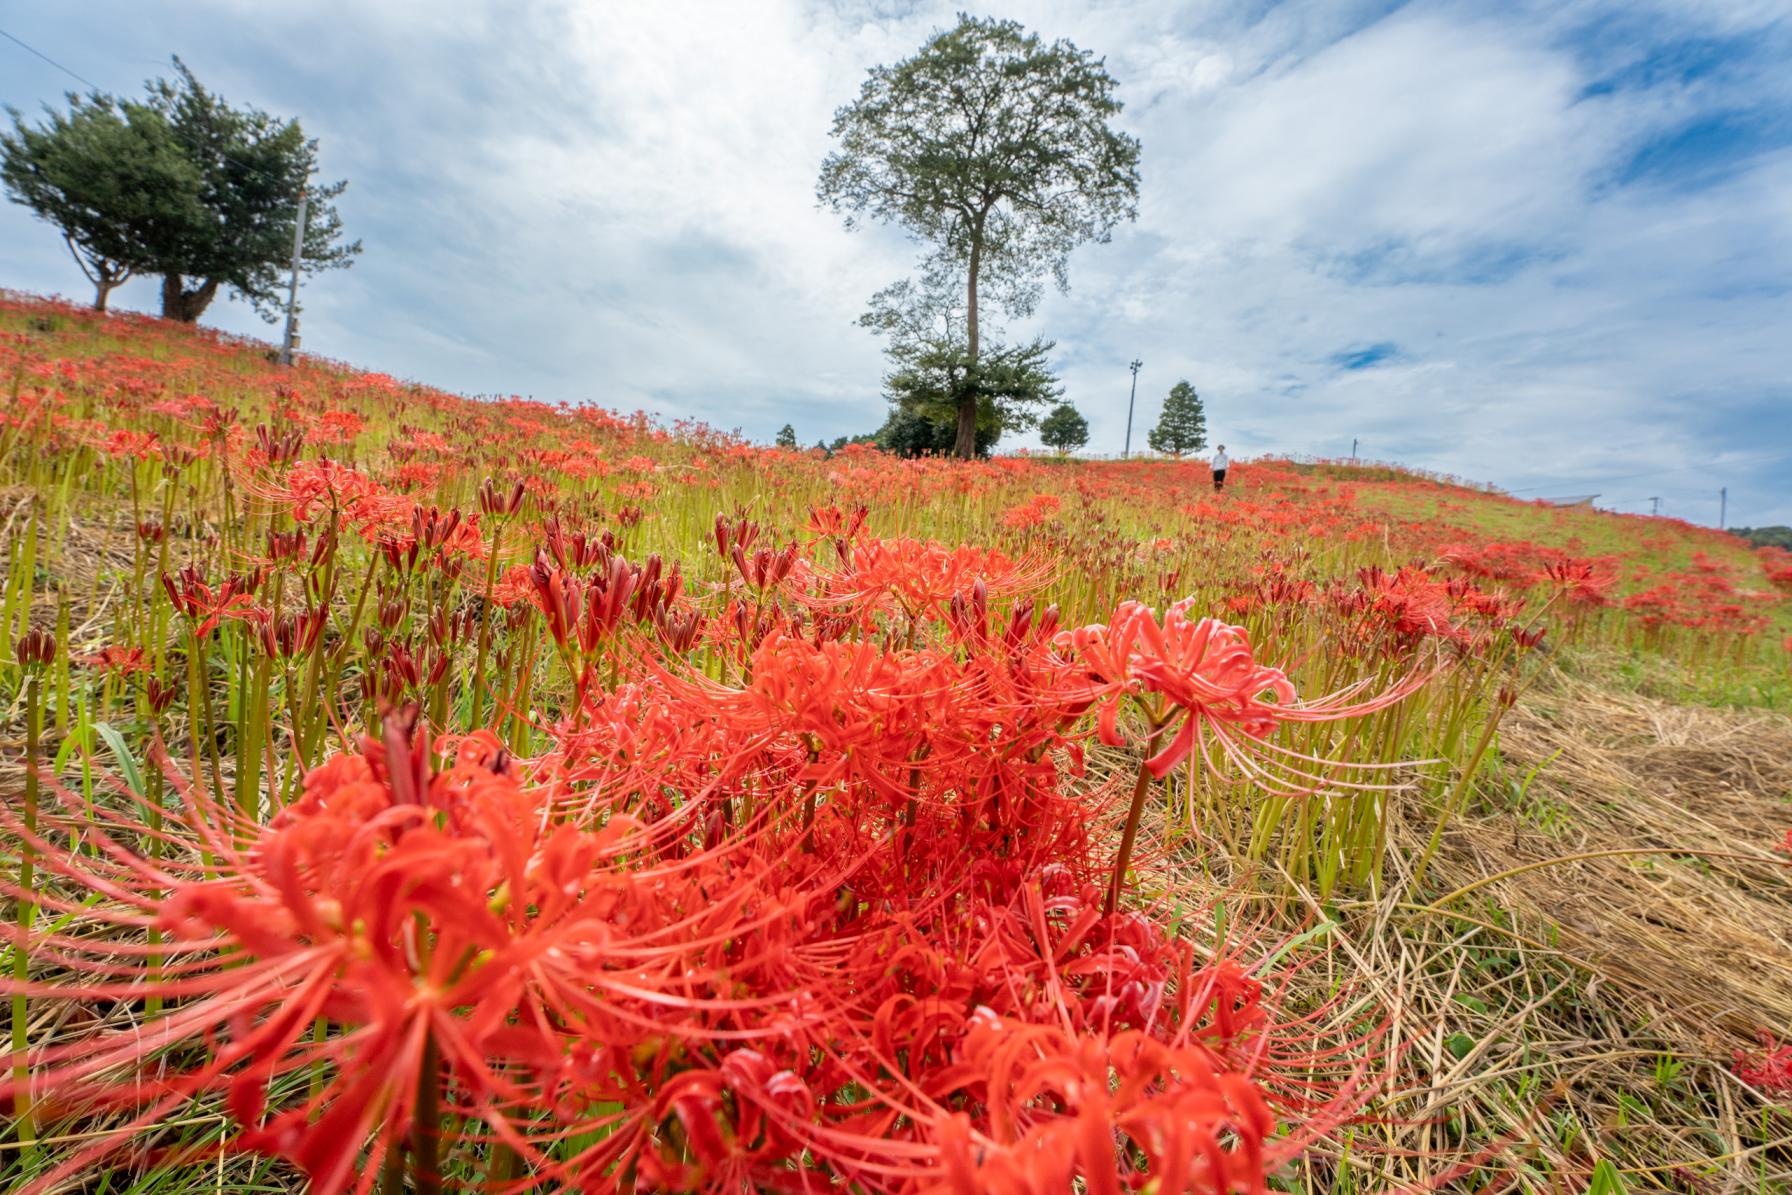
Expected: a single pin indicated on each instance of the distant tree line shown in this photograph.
(180, 185)
(1765, 537)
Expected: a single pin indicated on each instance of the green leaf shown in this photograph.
(1459, 1045)
(1606, 1180)
(76, 741)
(127, 763)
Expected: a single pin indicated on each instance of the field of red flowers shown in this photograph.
(417, 793)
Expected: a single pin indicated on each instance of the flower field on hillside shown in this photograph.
(420, 793)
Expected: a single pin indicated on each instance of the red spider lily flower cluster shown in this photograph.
(724, 988)
(839, 921)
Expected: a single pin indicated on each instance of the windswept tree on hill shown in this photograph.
(1064, 429)
(1182, 426)
(182, 185)
(995, 149)
(786, 437)
(254, 166)
(111, 177)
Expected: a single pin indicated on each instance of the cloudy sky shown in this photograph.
(1547, 245)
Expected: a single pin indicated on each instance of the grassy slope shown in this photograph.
(1530, 1015)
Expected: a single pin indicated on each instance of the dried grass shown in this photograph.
(1581, 1008)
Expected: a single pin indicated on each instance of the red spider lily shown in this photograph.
(117, 660)
(279, 448)
(1031, 513)
(203, 605)
(828, 522)
(284, 545)
(324, 483)
(419, 913)
(765, 569)
(351, 906)
(1776, 563)
(738, 534)
(290, 636)
(1206, 673)
(577, 551)
(812, 892)
(1769, 1068)
(922, 576)
(1057, 1105)
(495, 503)
(1583, 581)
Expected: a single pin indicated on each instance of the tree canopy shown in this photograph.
(1182, 426)
(1064, 429)
(993, 148)
(786, 437)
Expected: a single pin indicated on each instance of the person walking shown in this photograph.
(1219, 465)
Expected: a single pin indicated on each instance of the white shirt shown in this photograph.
(1220, 461)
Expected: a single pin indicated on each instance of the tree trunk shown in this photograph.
(105, 276)
(184, 305)
(965, 446)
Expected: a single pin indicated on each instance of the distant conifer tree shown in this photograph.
(1182, 428)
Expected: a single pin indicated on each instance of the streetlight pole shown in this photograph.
(1135, 367)
(292, 291)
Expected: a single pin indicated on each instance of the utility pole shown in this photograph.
(292, 291)
(1723, 506)
(1135, 367)
(1654, 507)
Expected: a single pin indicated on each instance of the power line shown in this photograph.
(34, 50)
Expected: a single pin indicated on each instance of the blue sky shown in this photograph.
(1544, 245)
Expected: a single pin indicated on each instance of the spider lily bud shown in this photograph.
(158, 696)
(285, 545)
(765, 568)
(176, 459)
(739, 534)
(35, 649)
(279, 447)
(497, 504)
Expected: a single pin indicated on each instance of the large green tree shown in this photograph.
(995, 149)
(253, 167)
(1182, 426)
(1064, 429)
(111, 177)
